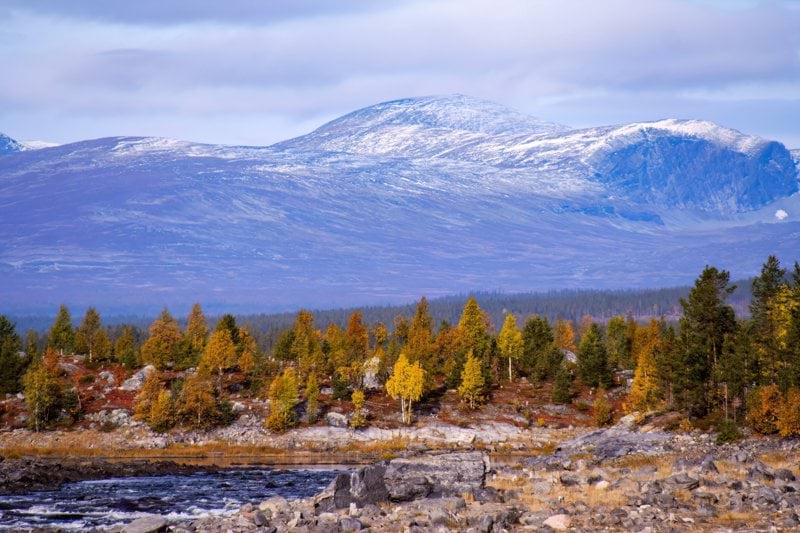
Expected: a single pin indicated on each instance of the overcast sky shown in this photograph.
(256, 72)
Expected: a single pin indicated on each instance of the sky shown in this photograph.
(253, 72)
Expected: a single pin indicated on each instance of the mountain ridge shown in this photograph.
(150, 220)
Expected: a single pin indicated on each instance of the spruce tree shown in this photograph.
(766, 288)
(617, 344)
(195, 336)
(11, 365)
(62, 336)
(562, 385)
(125, 348)
(707, 319)
(537, 341)
(592, 359)
(420, 338)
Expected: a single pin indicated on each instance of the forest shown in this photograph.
(709, 360)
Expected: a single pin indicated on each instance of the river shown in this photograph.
(108, 502)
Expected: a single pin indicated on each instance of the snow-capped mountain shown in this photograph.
(9, 145)
(432, 196)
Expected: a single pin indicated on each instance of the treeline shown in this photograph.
(709, 365)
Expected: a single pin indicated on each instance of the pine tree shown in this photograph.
(11, 365)
(618, 346)
(565, 335)
(61, 336)
(406, 384)
(510, 341)
(418, 347)
(228, 322)
(562, 386)
(163, 345)
(537, 338)
(32, 345)
(196, 334)
(125, 347)
(472, 388)
(592, 361)
(705, 323)
(306, 349)
(248, 356)
(219, 355)
(766, 288)
(90, 337)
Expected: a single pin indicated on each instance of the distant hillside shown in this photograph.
(430, 195)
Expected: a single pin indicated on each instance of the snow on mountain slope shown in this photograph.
(467, 201)
(9, 145)
(655, 163)
(37, 145)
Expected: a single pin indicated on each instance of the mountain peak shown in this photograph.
(9, 145)
(452, 111)
(421, 124)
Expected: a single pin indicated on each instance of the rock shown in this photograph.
(336, 420)
(448, 474)
(146, 524)
(406, 479)
(108, 377)
(602, 485)
(559, 522)
(350, 524)
(784, 474)
(136, 381)
(364, 486)
(371, 380)
(260, 519)
(276, 505)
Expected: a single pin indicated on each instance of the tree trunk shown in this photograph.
(509, 370)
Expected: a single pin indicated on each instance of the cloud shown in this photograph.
(109, 66)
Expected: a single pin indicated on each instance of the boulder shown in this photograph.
(146, 524)
(405, 479)
(136, 381)
(559, 522)
(336, 420)
(371, 367)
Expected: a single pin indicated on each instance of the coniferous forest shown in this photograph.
(711, 364)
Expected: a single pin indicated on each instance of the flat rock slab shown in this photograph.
(146, 524)
(398, 480)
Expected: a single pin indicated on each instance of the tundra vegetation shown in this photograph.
(713, 367)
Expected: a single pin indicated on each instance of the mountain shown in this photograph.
(434, 195)
(9, 145)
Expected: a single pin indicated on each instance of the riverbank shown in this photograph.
(618, 479)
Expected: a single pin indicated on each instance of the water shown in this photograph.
(108, 502)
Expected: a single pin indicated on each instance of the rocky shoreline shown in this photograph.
(623, 478)
(619, 479)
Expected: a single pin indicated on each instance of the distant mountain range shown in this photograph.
(432, 195)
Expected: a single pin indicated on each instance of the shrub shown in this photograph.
(603, 410)
(763, 408)
(86, 378)
(728, 431)
(359, 420)
(789, 414)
